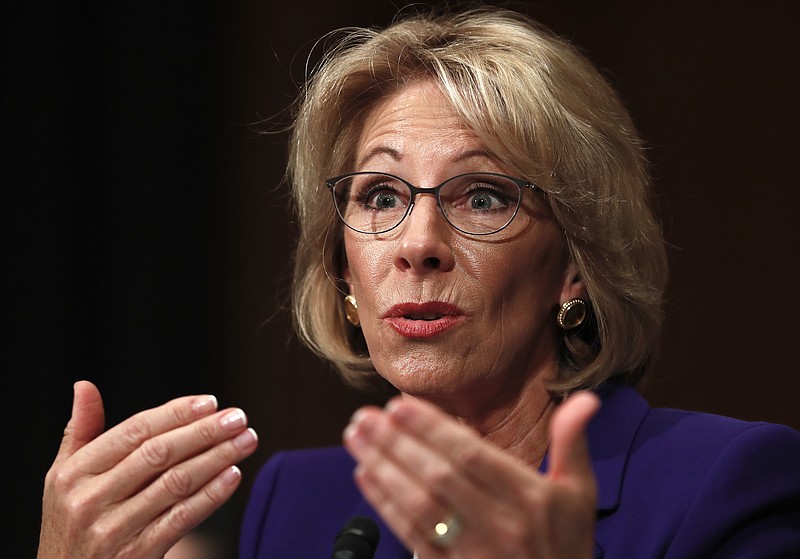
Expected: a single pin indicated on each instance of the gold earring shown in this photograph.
(572, 314)
(351, 310)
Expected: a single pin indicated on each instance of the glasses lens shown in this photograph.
(371, 202)
(480, 203)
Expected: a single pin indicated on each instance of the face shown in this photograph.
(445, 314)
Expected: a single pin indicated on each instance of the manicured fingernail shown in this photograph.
(204, 404)
(245, 439)
(354, 437)
(231, 475)
(356, 417)
(233, 419)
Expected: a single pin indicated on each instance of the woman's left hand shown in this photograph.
(419, 467)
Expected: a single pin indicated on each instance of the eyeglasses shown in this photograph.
(473, 203)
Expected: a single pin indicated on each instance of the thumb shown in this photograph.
(87, 420)
(569, 449)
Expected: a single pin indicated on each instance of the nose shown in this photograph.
(425, 239)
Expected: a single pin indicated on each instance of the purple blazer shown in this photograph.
(672, 484)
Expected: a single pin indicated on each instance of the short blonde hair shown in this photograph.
(539, 106)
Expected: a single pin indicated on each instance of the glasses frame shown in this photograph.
(433, 191)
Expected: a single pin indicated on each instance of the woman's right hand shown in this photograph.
(136, 489)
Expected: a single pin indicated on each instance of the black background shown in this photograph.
(146, 234)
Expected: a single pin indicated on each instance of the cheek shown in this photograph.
(364, 262)
(531, 272)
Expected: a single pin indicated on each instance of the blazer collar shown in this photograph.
(611, 433)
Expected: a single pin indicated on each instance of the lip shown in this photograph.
(423, 320)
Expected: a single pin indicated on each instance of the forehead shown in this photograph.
(417, 120)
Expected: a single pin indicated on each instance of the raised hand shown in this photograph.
(419, 467)
(136, 489)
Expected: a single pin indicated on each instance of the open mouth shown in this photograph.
(423, 320)
(423, 316)
(431, 310)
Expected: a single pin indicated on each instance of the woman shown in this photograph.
(475, 231)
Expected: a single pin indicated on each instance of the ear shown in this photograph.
(573, 286)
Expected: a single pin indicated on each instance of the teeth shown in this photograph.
(424, 316)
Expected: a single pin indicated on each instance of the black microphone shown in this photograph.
(357, 540)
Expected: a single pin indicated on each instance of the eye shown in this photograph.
(380, 197)
(483, 200)
(382, 200)
(483, 194)
(378, 193)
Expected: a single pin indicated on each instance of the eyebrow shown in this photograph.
(397, 156)
(391, 152)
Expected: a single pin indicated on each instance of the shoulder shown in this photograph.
(707, 434)
(720, 486)
(628, 423)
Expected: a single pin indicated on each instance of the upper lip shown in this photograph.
(423, 311)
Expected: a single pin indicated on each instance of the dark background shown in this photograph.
(146, 235)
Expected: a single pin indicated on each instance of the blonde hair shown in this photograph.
(539, 106)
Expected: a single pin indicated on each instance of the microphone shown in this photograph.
(357, 540)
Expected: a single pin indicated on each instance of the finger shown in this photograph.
(159, 454)
(377, 446)
(176, 522)
(117, 443)
(407, 511)
(569, 449)
(429, 483)
(181, 482)
(489, 467)
(414, 487)
(86, 421)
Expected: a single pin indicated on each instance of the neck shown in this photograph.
(514, 419)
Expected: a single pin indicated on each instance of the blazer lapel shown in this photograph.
(611, 435)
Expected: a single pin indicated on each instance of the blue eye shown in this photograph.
(484, 200)
(382, 200)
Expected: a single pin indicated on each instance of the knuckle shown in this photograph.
(81, 506)
(438, 474)
(155, 453)
(206, 432)
(225, 453)
(179, 413)
(420, 501)
(178, 481)
(77, 508)
(135, 431)
(214, 496)
(181, 518)
(98, 531)
(512, 532)
(60, 479)
(100, 537)
(468, 455)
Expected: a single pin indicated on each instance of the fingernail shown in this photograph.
(204, 404)
(231, 475)
(233, 419)
(356, 417)
(359, 432)
(245, 439)
(354, 437)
